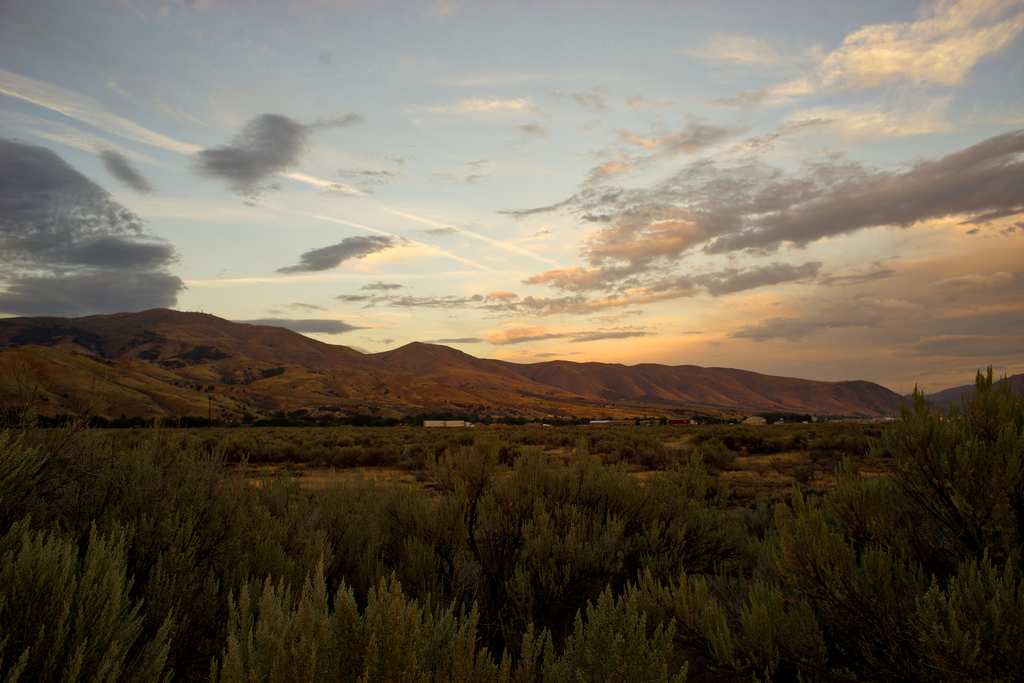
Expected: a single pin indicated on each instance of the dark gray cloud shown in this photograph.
(89, 292)
(267, 144)
(732, 280)
(441, 232)
(119, 167)
(533, 129)
(116, 251)
(326, 258)
(308, 325)
(67, 248)
(353, 298)
(457, 340)
(45, 203)
(381, 286)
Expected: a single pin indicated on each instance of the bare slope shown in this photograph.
(168, 362)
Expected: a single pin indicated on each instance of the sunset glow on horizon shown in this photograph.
(824, 191)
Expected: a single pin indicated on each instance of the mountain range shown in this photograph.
(165, 362)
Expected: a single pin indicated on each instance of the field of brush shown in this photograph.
(752, 463)
(711, 553)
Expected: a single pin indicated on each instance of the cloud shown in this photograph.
(89, 292)
(920, 117)
(122, 169)
(609, 334)
(333, 256)
(877, 273)
(86, 109)
(988, 176)
(337, 121)
(441, 232)
(482, 105)
(790, 329)
(970, 346)
(728, 206)
(306, 326)
(267, 144)
(456, 340)
(939, 48)
(695, 137)
(432, 301)
(381, 286)
(354, 298)
(368, 178)
(732, 280)
(533, 129)
(594, 99)
(112, 251)
(67, 248)
(640, 102)
(298, 305)
(750, 52)
(522, 335)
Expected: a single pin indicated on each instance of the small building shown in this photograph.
(755, 420)
(447, 423)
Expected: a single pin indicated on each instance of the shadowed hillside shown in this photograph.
(954, 395)
(164, 362)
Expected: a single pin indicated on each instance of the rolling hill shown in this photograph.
(164, 362)
(953, 395)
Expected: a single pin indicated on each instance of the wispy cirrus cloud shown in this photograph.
(481, 106)
(749, 51)
(523, 335)
(258, 150)
(83, 108)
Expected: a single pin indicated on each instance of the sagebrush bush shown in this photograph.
(525, 555)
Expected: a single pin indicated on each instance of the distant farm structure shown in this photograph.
(755, 420)
(447, 423)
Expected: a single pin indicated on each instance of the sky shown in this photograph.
(814, 189)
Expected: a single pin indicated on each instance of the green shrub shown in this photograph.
(66, 615)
